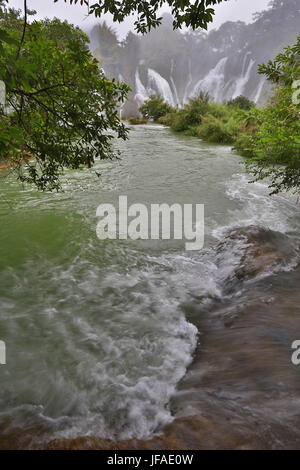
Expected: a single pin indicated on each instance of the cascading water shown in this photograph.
(100, 333)
(200, 58)
(156, 84)
(213, 82)
(141, 93)
(175, 94)
(189, 83)
(259, 90)
(242, 81)
(161, 86)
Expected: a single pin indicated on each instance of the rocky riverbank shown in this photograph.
(242, 391)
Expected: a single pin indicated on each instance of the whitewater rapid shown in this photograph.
(98, 333)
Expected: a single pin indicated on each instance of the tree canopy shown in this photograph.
(273, 149)
(63, 111)
(196, 14)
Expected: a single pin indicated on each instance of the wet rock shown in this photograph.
(241, 392)
(191, 433)
(255, 249)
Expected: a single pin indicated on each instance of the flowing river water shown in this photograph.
(115, 339)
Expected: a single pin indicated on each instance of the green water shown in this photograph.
(96, 333)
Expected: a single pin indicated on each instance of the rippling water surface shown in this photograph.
(99, 334)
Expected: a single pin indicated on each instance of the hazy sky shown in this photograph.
(230, 10)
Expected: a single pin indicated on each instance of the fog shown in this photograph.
(231, 10)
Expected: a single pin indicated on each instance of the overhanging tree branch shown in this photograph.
(193, 14)
(24, 30)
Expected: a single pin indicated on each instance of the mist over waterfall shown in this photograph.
(214, 82)
(244, 78)
(178, 65)
(160, 86)
(141, 94)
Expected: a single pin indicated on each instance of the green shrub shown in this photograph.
(154, 108)
(192, 131)
(218, 110)
(190, 115)
(244, 141)
(135, 120)
(168, 119)
(181, 121)
(244, 145)
(241, 102)
(213, 129)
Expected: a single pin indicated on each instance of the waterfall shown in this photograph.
(161, 86)
(156, 85)
(259, 90)
(174, 85)
(190, 79)
(141, 93)
(244, 78)
(175, 92)
(213, 82)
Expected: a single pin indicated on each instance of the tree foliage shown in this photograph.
(274, 148)
(155, 107)
(196, 14)
(190, 115)
(241, 102)
(63, 111)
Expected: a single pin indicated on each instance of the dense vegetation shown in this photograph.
(61, 111)
(187, 56)
(155, 108)
(269, 137)
(213, 122)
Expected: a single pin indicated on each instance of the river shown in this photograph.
(116, 338)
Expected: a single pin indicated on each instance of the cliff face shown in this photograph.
(178, 65)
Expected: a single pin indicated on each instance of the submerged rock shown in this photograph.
(255, 250)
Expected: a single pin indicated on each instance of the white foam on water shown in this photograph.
(115, 347)
(98, 341)
(279, 212)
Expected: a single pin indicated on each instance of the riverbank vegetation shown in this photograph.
(60, 110)
(271, 138)
(268, 137)
(212, 122)
(136, 120)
